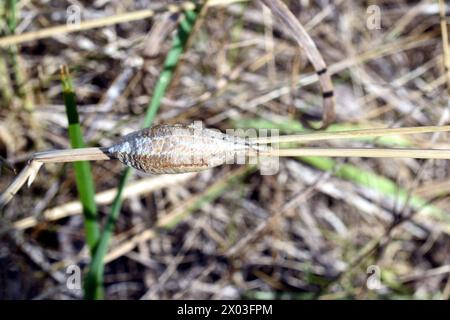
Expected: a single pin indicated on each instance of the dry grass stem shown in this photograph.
(303, 39)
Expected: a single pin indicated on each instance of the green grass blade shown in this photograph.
(83, 175)
(11, 14)
(94, 278)
(93, 288)
(365, 178)
(373, 181)
(178, 44)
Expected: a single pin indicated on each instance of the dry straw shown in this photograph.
(181, 149)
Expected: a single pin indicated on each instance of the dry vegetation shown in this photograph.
(310, 231)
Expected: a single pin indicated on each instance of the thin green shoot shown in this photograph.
(94, 279)
(83, 175)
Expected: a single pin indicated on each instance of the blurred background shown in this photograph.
(320, 228)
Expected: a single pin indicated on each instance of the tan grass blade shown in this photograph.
(27, 174)
(360, 152)
(102, 22)
(91, 24)
(31, 169)
(71, 155)
(350, 134)
(92, 154)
